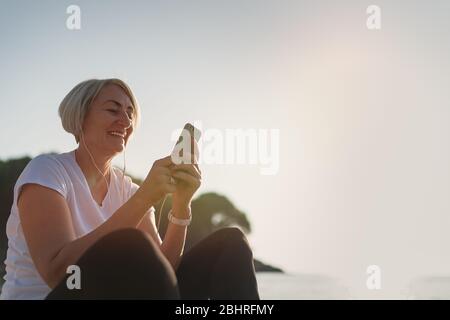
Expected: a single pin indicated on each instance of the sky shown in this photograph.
(363, 176)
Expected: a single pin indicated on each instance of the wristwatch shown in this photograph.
(180, 222)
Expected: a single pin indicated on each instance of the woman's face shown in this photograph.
(108, 123)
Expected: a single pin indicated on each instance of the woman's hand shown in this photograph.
(158, 181)
(188, 178)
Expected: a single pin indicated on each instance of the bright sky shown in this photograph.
(363, 115)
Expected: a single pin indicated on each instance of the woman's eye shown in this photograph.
(130, 115)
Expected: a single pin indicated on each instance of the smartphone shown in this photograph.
(193, 134)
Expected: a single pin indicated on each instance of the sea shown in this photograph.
(282, 286)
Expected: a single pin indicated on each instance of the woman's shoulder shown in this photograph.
(47, 170)
(46, 162)
(52, 159)
(47, 165)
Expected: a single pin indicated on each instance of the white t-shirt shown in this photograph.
(62, 173)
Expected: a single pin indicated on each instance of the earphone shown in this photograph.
(160, 212)
(95, 165)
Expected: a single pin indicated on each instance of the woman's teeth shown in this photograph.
(117, 134)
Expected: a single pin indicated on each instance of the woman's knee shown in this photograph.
(230, 233)
(125, 248)
(235, 238)
(125, 240)
(130, 260)
(126, 237)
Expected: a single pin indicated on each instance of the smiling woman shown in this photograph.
(75, 208)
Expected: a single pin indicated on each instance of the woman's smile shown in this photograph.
(117, 135)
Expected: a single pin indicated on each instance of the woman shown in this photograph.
(75, 208)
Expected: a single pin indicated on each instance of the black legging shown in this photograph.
(127, 264)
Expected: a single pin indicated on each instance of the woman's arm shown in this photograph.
(47, 225)
(173, 244)
(188, 177)
(48, 230)
(189, 180)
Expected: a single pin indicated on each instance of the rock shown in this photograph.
(262, 267)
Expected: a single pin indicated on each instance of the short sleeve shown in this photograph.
(45, 171)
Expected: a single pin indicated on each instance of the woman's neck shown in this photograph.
(90, 171)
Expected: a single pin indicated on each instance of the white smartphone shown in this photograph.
(194, 134)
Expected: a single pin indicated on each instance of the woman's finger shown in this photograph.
(164, 162)
(198, 169)
(195, 161)
(169, 188)
(163, 171)
(171, 180)
(164, 176)
(187, 178)
(188, 168)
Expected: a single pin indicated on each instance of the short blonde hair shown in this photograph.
(77, 102)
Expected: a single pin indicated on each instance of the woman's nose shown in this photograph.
(125, 119)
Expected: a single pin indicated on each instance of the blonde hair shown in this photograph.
(77, 102)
